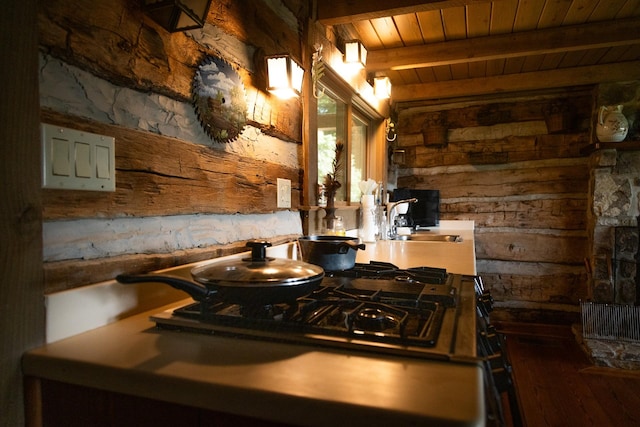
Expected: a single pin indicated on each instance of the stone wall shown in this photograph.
(615, 185)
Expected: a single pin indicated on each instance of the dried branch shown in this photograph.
(331, 182)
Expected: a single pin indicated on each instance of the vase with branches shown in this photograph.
(331, 185)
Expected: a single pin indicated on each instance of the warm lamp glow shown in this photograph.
(355, 53)
(382, 87)
(178, 15)
(284, 76)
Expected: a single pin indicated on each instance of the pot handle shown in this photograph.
(344, 247)
(197, 292)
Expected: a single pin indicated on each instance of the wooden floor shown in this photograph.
(558, 386)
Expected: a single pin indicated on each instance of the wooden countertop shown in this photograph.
(459, 257)
(296, 384)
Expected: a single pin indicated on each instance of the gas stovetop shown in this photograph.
(375, 307)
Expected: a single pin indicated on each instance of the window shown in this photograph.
(340, 120)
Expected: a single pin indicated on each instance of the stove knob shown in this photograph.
(502, 379)
(492, 339)
(486, 297)
(486, 300)
(496, 361)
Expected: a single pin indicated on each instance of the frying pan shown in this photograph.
(256, 280)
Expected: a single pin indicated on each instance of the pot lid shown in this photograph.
(257, 270)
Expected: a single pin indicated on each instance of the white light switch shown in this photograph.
(103, 162)
(60, 157)
(83, 160)
(76, 160)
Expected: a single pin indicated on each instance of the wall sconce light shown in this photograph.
(355, 53)
(178, 15)
(284, 76)
(382, 87)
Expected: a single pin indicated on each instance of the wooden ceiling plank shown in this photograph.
(503, 13)
(409, 29)
(631, 55)
(442, 73)
(528, 15)
(572, 38)
(396, 76)
(477, 69)
(553, 13)
(532, 63)
(387, 32)
(478, 18)
(552, 61)
(495, 67)
(460, 71)
(614, 54)
(572, 59)
(579, 12)
(517, 82)
(594, 56)
(630, 8)
(455, 25)
(409, 76)
(368, 35)
(607, 10)
(514, 65)
(336, 12)
(431, 26)
(426, 75)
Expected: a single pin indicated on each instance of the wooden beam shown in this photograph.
(562, 39)
(518, 82)
(335, 12)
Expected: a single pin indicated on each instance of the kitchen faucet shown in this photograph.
(390, 208)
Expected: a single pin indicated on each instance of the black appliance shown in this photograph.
(426, 211)
(420, 312)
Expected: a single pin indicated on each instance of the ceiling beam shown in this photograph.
(562, 39)
(335, 12)
(621, 71)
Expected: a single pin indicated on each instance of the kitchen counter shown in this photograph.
(297, 384)
(285, 383)
(456, 257)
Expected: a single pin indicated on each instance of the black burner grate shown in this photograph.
(371, 303)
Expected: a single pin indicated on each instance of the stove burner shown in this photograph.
(385, 270)
(269, 311)
(374, 319)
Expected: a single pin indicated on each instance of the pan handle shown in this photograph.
(197, 292)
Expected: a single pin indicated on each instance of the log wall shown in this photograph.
(515, 167)
(120, 74)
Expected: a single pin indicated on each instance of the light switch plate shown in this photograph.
(77, 160)
(284, 193)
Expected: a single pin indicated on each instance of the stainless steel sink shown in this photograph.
(428, 237)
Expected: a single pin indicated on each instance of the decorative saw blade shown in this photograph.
(219, 99)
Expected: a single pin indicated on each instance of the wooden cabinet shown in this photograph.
(54, 403)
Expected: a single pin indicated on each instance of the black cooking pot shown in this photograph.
(258, 280)
(332, 253)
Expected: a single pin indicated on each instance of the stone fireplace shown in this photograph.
(615, 189)
(613, 225)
